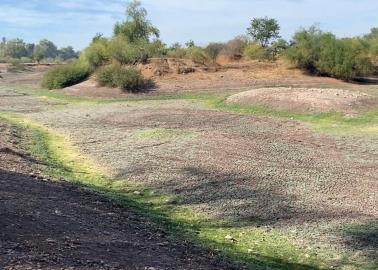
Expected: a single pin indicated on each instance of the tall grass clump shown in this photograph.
(65, 75)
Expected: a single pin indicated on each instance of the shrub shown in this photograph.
(65, 75)
(104, 75)
(371, 41)
(16, 65)
(278, 47)
(305, 51)
(234, 48)
(256, 52)
(128, 79)
(97, 54)
(344, 58)
(323, 54)
(157, 49)
(214, 49)
(197, 55)
(177, 53)
(124, 52)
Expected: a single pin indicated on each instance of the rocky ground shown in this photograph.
(274, 173)
(56, 225)
(307, 99)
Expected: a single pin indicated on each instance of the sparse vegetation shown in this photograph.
(234, 48)
(16, 65)
(214, 49)
(198, 55)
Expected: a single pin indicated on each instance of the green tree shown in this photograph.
(15, 48)
(45, 49)
(190, 44)
(97, 53)
(67, 53)
(38, 54)
(2, 46)
(264, 30)
(305, 50)
(125, 52)
(137, 26)
(29, 49)
(373, 35)
(372, 41)
(322, 53)
(175, 46)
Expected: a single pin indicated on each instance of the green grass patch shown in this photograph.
(163, 134)
(257, 247)
(330, 122)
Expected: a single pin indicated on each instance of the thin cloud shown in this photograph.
(76, 21)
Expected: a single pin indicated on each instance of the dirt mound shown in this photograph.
(306, 99)
(157, 67)
(90, 88)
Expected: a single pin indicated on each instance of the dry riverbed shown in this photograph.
(271, 173)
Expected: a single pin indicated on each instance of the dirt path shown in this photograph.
(50, 225)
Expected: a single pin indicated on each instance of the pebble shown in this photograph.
(230, 238)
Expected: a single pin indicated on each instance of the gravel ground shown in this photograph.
(307, 99)
(272, 172)
(54, 225)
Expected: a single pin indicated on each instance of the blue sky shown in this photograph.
(75, 22)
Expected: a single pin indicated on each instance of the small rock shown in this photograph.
(230, 238)
(249, 250)
(170, 201)
(137, 193)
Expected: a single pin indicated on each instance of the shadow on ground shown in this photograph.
(239, 202)
(363, 237)
(50, 225)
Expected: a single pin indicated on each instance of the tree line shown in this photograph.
(135, 40)
(27, 52)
